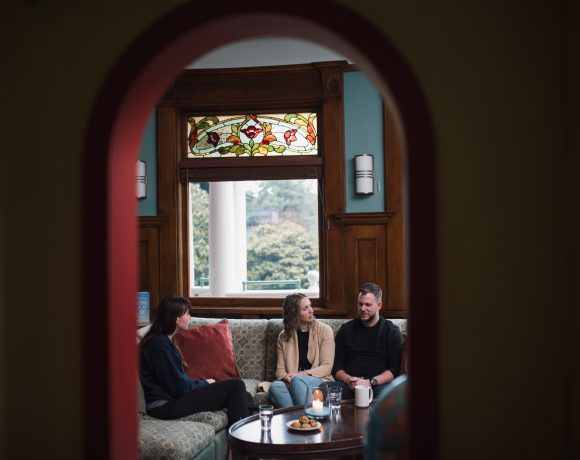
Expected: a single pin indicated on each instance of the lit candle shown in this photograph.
(316, 406)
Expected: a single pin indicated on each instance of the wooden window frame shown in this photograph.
(316, 87)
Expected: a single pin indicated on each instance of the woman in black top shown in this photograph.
(169, 392)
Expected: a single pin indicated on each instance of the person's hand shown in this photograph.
(210, 381)
(288, 378)
(352, 382)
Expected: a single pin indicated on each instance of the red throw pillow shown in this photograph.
(208, 351)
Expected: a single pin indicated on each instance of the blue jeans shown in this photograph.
(283, 395)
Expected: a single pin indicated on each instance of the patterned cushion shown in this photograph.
(171, 439)
(258, 397)
(261, 398)
(249, 337)
(334, 323)
(218, 419)
(141, 398)
(402, 323)
(275, 326)
(194, 344)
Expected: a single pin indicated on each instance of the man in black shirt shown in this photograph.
(368, 348)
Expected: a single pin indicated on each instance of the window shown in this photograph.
(257, 237)
(253, 238)
(252, 135)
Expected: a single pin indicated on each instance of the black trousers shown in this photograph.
(230, 394)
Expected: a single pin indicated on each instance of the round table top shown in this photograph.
(340, 434)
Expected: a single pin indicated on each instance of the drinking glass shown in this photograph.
(335, 394)
(266, 414)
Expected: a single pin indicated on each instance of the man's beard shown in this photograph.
(372, 317)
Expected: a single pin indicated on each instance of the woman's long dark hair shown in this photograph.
(290, 311)
(167, 312)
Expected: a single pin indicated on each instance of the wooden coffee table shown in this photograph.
(340, 436)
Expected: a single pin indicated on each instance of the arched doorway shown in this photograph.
(122, 107)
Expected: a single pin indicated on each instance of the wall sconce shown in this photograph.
(141, 180)
(364, 172)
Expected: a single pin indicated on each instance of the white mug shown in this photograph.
(363, 395)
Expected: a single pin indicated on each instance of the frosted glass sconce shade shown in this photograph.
(364, 174)
(141, 180)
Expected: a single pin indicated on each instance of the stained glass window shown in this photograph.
(288, 134)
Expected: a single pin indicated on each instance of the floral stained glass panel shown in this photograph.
(288, 134)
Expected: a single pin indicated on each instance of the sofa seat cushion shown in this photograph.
(258, 397)
(261, 398)
(172, 439)
(218, 419)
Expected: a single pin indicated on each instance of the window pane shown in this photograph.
(252, 135)
(254, 238)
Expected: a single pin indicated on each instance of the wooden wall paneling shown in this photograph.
(149, 264)
(168, 127)
(396, 205)
(365, 252)
(143, 254)
(149, 257)
(215, 89)
(332, 279)
(364, 242)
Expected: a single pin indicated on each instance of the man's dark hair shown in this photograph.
(371, 288)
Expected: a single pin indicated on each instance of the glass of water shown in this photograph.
(266, 414)
(335, 394)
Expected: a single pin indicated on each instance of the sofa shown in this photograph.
(203, 436)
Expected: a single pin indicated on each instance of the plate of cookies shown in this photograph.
(304, 424)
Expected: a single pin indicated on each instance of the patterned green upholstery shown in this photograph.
(260, 397)
(275, 326)
(218, 419)
(171, 439)
(249, 337)
(252, 388)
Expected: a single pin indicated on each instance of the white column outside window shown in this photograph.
(222, 242)
(241, 265)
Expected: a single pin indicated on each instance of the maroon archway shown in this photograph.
(110, 232)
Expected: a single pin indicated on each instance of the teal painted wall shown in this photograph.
(148, 206)
(363, 115)
(363, 133)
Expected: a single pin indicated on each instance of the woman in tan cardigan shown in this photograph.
(305, 353)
